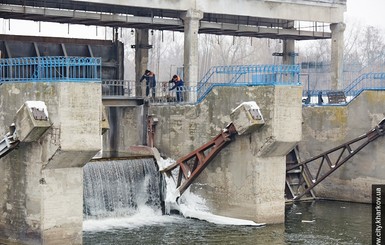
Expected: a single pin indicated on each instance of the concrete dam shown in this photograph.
(42, 178)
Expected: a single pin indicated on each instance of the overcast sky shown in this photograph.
(370, 12)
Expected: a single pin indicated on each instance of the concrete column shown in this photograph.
(247, 178)
(288, 48)
(120, 60)
(191, 27)
(141, 58)
(288, 52)
(337, 55)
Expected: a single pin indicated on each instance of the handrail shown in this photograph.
(248, 75)
(366, 81)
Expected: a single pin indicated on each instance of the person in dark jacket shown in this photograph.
(150, 82)
(178, 85)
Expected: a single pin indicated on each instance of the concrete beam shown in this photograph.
(172, 24)
(325, 11)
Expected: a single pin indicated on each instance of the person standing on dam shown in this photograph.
(178, 84)
(150, 82)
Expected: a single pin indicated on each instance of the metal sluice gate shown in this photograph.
(300, 180)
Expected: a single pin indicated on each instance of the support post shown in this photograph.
(191, 27)
(289, 48)
(288, 52)
(141, 57)
(337, 50)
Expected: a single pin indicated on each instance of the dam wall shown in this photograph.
(246, 179)
(41, 182)
(325, 127)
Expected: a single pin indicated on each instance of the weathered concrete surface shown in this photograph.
(247, 179)
(327, 11)
(328, 127)
(127, 128)
(41, 183)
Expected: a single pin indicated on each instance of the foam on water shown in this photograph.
(145, 216)
(193, 206)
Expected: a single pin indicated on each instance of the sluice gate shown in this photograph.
(301, 180)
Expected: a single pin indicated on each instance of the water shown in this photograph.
(118, 188)
(318, 222)
(330, 222)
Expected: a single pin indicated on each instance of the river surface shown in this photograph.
(317, 222)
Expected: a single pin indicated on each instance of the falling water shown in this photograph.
(118, 188)
(122, 206)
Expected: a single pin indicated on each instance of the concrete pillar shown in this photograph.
(120, 60)
(191, 26)
(337, 55)
(288, 52)
(141, 58)
(41, 182)
(247, 178)
(288, 48)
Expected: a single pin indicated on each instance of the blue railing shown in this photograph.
(366, 81)
(50, 69)
(373, 80)
(248, 75)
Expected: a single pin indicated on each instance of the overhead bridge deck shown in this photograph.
(262, 19)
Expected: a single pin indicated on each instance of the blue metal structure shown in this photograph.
(248, 75)
(366, 81)
(372, 81)
(50, 69)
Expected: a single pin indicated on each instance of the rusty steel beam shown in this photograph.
(346, 148)
(191, 165)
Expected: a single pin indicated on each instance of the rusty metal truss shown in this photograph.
(329, 161)
(191, 165)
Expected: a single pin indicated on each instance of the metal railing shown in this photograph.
(366, 81)
(218, 76)
(50, 69)
(130, 89)
(248, 75)
(373, 80)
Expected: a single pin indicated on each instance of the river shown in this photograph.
(317, 222)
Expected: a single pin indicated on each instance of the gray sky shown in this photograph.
(370, 12)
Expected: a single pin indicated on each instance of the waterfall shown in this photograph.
(117, 188)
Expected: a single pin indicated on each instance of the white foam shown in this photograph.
(193, 206)
(145, 216)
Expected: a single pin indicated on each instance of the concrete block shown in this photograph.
(247, 117)
(31, 121)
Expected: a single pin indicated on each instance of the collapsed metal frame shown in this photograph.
(310, 181)
(191, 165)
